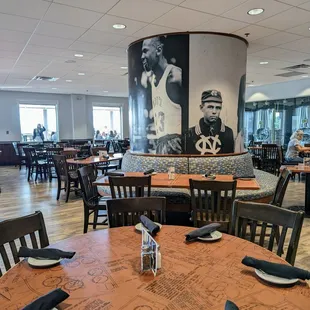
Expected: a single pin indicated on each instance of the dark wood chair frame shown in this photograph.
(212, 202)
(50, 162)
(33, 162)
(18, 228)
(127, 211)
(130, 186)
(282, 184)
(266, 214)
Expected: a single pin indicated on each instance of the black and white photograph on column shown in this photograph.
(217, 72)
(158, 93)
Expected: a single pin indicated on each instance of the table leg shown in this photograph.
(307, 194)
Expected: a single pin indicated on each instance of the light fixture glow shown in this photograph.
(54, 88)
(251, 85)
(68, 81)
(105, 91)
(254, 12)
(305, 76)
(81, 73)
(263, 63)
(119, 26)
(79, 55)
(124, 68)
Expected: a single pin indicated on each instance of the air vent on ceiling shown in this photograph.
(45, 78)
(301, 66)
(290, 74)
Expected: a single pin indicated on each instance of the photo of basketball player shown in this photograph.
(165, 81)
(210, 135)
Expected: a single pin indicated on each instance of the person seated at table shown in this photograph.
(38, 135)
(294, 147)
(54, 137)
(98, 135)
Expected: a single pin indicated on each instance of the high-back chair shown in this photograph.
(211, 202)
(65, 175)
(252, 215)
(19, 228)
(50, 152)
(123, 187)
(279, 194)
(127, 211)
(91, 198)
(33, 162)
(270, 158)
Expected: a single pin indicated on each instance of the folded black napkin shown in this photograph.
(148, 171)
(278, 270)
(150, 225)
(204, 231)
(48, 301)
(230, 305)
(44, 253)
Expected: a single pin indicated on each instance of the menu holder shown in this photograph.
(149, 253)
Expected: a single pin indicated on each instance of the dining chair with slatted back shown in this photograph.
(93, 202)
(282, 184)
(247, 215)
(50, 152)
(123, 187)
(19, 228)
(211, 202)
(270, 158)
(127, 211)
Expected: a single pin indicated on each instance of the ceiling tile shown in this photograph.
(70, 55)
(111, 59)
(141, 10)
(256, 32)
(173, 19)
(107, 21)
(305, 6)
(71, 16)
(302, 45)
(221, 24)
(93, 66)
(6, 63)
(102, 6)
(216, 7)
(151, 30)
(278, 38)
(116, 51)
(293, 2)
(287, 19)
(271, 8)
(33, 60)
(14, 36)
(11, 46)
(125, 43)
(302, 30)
(17, 23)
(8, 54)
(272, 63)
(43, 50)
(29, 8)
(60, 30)
(100, 37)
(54, 42)
(175, 2)
(254, 47)
(88, 47)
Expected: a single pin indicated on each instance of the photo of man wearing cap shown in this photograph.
(210, 135)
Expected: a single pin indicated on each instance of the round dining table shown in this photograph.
(105, 273)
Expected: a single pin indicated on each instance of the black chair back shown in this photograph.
(130, 186)
(87, 175)
(211, 202)
(127, 211)
(279, 194)
(250, 215)
(61, 167)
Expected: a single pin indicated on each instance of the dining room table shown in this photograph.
(95, 160)
(105, 273)
(162, 180)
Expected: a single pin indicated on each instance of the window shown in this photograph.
(33, 114)
(108, 121)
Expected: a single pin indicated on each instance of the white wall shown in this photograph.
(284, 90)
(75, 120)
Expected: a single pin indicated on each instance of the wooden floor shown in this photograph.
(64, 220)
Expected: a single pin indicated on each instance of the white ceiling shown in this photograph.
(38, 37)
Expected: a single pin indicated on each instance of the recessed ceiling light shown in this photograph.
(54, 88)
(105, 91)
(263, 63)
(79, 55)
(251, 85)
(119, 26)
(305, 76)
(254, 12)
(81, 73)
(69, 81)
(124, 68)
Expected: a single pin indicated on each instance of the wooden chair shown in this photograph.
(212, 202)
(18, 228)
(270, 158)
(93, 202)
(21, 154)
(279, 194)
(267, 214)
(50, 152)
(66, 176)
(130, 186)
(104, 167)
(127, 211)
(34, 163)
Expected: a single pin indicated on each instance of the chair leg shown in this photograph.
(86, 220)
(67, 190)
(58, 189)
(95, 219)
(29, 172)
(37, 172)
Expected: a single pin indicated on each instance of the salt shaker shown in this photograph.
(146, 257)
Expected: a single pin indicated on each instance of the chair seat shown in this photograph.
(42, 162)
(73, 174)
